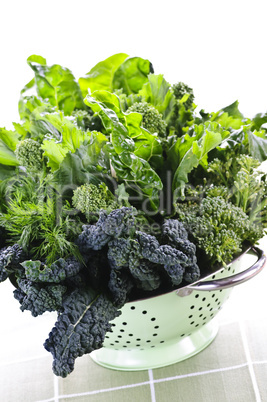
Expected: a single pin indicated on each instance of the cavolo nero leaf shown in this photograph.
(80, 328)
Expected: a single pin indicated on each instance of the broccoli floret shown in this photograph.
(182, 117)
(90, 199)
(39, 298)
(81, 328)
(217, 226)
(87, 120)
(181, 90)
(152, 120)
(30, 154)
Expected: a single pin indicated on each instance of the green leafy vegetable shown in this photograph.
(101, 75)
(114, 188)
(132, 75)
(56, 83)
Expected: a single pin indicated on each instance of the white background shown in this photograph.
(216, 47)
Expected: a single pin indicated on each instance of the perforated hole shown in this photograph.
(202, 308)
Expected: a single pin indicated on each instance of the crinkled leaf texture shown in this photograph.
(39, 298)
(81, 328)
(58, 271)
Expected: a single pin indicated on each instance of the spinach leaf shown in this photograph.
(257, 141)
(259, 120)
(132, 75)
(8, 142)
(101, 75)
(6, 172)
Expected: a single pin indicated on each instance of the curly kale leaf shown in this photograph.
(175, 234)
(146, 275)
(140, 253)
(120, 285)
(39, 298)
(118, 223)
(10, 259)
(81, 328)
(126, 253)
(58, 271)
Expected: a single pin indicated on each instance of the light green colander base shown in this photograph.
(164, 355)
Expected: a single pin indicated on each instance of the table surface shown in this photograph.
(232, 368)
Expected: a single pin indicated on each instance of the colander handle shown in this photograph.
(234, 279)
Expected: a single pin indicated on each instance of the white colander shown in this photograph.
(166, 329)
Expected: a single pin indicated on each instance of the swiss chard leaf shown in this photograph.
(157, 92)
(130, 167)
(259, 120)
(89, 163)
(56, 83)
(208, 136)
(229, 117)
(70, 139)
(147, 146)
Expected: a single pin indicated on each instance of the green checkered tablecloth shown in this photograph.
(233, 368)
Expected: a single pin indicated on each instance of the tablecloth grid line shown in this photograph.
(159, 380)
(249, 360)
(152, 388)
(29, 359)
